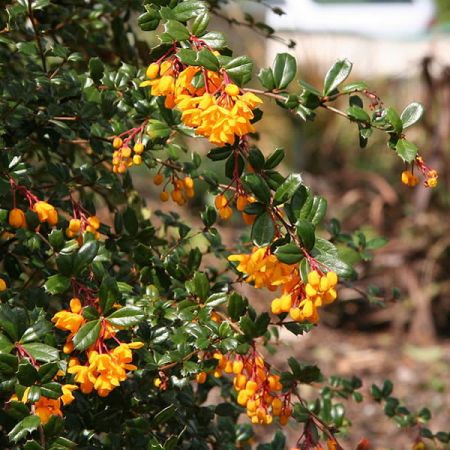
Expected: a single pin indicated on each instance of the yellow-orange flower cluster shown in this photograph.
(258, 390)
(105, 368)
(431, 176)
(301, 300)
(104, 371)
(222, 203)
(70, 321)
(84, 224)
(47, 407)
(17, 218)
(218, 110)
(45, 212)
(263, 269)
(183, 189)
(125, 156)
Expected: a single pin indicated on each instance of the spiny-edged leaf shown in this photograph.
(305, 373)
(239, 69)
(406, 150)
(263, 230)
(284, 69)
(324, 246)
(411, 114)
(8, 322)
(206, 59)
(289, 254)
(8, 364)
(289, 187)
(87, 335)
(214, 39)
(188, 9)
(42, 352)
(5, 344)
(176, 30)
(126, 316)
(51, 390)
(25, 426)
(36, 331)
(47, 371)
(306, 233)
(149, 20)
(237, 306)
(337, 74)
(258, 187)
(329, 262)
(57, 284)
(26, 373)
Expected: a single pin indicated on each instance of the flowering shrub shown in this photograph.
(115, 326)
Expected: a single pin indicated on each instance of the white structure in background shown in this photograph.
(381, 37)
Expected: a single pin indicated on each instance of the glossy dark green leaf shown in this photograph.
(108, 294)
(149, 20)
(41, 352)
(289, 254)
(176, 30)
(356, 86)
(214, 39)
(206, 59)
(289, 187)
(189, 9)
(51, 390)
(87, 335)
(126, 316)
(333, 263)
(284, 70)
(337, 74)
(263, 230)
(392, 117)
(237, 306)
(239, 69)
(36, 331)
(47, 372)
(8, 364)
(306, 233)
(258, 187)
(358, 114)
(274, 158)
(200, 24)
(57, 284)
(85, 255)
(26, 373)
(24, 427)
(96, 69)
(266, 78)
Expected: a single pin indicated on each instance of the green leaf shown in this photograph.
(149, 20)
(333, 263)
(239, 69)
(206, 59)
(406, 150)
(130, 221)
(187, 56)
(26, 373)
(57, 284)
(263, 230)
(392, 117)
(87, 335)
(337, 74)
(5, 344)
(284, 70)
(85, 255)
(108, 294)
(8, 364)
(318, 210)
(126, 316)
(51, 390)
(200, 24)
(199, 285)
(289, 187)
(257, 186)
(306, 233)
(358, 114)
(219, 153)
(157, 129)
(214, 39)
(305, 373)
(25, 426)
(47, 371)
(274, 159)
(165, 414)
(353, 87)
(256, 158)
(8, 322)
(36, 331)
(266, 78)
(236, 306)
(289, 254)
(96, 69)
(41, 352)
(189, 9)
(411, 114)
(176, 30)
